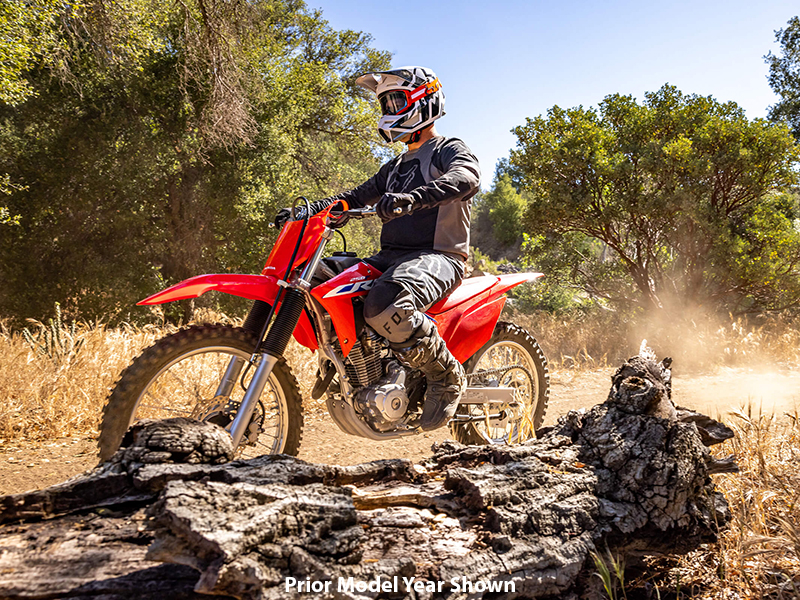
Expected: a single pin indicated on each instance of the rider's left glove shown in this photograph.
(285, 214)
(391, 206)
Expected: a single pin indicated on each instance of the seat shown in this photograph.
(469, 288)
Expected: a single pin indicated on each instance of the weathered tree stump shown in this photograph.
(168, 517)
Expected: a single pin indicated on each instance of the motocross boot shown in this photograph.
(427, 352)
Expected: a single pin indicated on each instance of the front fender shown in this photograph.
(254, 287)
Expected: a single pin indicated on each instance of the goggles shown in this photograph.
(397, 101)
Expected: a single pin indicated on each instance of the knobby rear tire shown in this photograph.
(524, 342)
(119, 412)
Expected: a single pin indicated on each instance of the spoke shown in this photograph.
(178, 379)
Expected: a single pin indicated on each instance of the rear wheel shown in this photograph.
(511, 358)
(179, 376)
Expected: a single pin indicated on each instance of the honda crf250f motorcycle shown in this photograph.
(237, 377)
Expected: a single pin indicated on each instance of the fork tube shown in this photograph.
(257, 384)
(231, 375)
(311, 267)
(278, 336)
(275, 342)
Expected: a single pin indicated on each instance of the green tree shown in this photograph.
(687, 197)
(497, 218)
(26, 36)
(163, 143)
(504, 207)
(784, 76)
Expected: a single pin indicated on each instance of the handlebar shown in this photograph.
(360, 213)
(354, 213)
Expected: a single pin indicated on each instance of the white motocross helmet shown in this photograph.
(411, 99)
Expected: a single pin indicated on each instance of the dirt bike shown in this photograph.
(319, 301)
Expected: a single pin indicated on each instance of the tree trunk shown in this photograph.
(168, 516)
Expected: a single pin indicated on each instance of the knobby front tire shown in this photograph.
(178, 376)
(509, 345)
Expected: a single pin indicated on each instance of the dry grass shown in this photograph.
(62, 394)
(758, 553)
(696, 342)
(58, 388)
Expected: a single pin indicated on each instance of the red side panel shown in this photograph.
(304, 333)
(255, 287)
(468, 324)
(336, 296)
(469, 288)
(474, 328)
(278, 262)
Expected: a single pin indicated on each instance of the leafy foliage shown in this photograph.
(784, 76)
(686, 196)
(504, 207)
(165, 140)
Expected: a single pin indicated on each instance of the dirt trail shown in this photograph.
(25, 466)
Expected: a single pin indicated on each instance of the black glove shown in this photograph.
(283, 216)
(387, 206)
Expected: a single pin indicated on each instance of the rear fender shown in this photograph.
(253, 287)
(468, 326)
(506, 282)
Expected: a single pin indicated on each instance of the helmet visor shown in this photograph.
(393, 102)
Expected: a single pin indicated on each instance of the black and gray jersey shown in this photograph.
(443, 175)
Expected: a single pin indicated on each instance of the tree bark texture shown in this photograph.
(171, 516)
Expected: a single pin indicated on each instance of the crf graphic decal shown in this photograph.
(350, 288)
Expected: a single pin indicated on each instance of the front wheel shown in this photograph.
(511, 358)
(180, 376)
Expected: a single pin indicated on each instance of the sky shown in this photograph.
(502, 62)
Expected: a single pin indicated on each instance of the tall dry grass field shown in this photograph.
(759, 554)
(696, 341)
(59, 392)
(55, 381)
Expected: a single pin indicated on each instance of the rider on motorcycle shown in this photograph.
(424, 248)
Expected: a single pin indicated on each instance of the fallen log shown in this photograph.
(171, 516)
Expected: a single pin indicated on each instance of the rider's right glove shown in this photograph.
(387, 207)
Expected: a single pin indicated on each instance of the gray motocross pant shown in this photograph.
(411, 283)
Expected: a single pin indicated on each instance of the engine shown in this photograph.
(363, 364)
(386, 402)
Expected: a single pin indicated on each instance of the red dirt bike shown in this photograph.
(195, 372)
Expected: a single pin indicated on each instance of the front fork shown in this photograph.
(274, 345)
